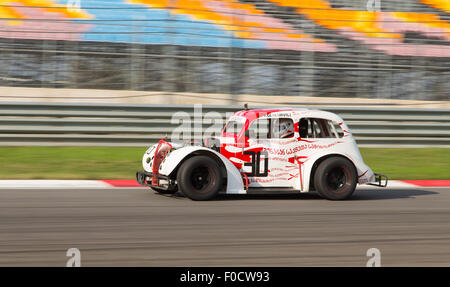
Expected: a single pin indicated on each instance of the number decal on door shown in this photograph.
(255, 163)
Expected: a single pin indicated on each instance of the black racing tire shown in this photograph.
(335, 178)
(163, 191)
(199, 178)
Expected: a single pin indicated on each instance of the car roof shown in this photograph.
(260, 112)
(256, 113)
(296, 112)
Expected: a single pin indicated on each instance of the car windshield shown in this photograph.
(234, 127)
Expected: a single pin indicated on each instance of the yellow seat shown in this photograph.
(443, 5)
(10, 13)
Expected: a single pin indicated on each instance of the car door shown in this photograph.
(267, 160)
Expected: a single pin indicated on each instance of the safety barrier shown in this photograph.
(140, 125)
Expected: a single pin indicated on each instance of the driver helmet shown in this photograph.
(286, 127)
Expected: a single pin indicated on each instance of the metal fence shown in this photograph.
(141, 125)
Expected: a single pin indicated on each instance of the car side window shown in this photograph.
(318, 128)
(274, 128)
(338, 129)
(282, 128)
(303, 128)
(259, 129)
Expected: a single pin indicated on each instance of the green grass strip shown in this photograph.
(122, 162)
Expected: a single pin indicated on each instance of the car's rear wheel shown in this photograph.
(335, 178)
(199, 178)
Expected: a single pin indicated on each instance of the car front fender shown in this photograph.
(176, 157)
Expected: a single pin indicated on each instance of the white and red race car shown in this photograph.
(264, 150)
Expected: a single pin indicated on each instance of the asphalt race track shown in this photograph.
(135, 227)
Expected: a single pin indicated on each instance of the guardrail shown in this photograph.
(140, 125)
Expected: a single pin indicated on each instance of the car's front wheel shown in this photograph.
(199, 178)
(335, 178)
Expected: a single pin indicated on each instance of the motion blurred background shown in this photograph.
(87, 85)
(317, 48)
(96, 72)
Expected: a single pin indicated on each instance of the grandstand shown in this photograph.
(273, 47)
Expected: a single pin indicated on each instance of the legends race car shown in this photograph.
(265, 150)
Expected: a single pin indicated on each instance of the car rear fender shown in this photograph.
(365, 174)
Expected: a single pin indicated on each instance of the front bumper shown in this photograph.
(145, 178)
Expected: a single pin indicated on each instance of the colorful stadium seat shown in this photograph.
(223, 24)
(382, 31)
(443, 5)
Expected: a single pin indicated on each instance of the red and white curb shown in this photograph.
(99, 184)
